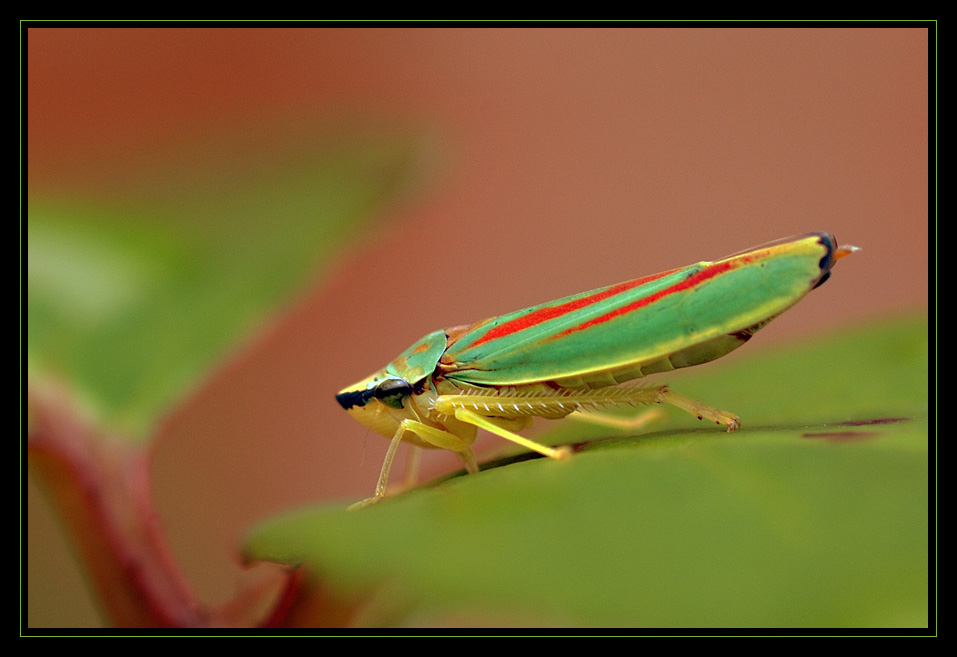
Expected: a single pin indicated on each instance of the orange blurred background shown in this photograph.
(571, 159)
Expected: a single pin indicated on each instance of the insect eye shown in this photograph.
(391, 392)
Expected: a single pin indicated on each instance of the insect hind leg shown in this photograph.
(589, 402)
(699, 410)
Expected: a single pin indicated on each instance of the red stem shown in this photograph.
(100, 483)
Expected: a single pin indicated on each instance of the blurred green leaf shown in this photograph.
(814, 514)
(132, 300)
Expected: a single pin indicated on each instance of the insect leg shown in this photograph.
(588, 401)
(699, 410)
(634, 423)
(384, 473)
(412, 470)
(474, 418)
(431, 435)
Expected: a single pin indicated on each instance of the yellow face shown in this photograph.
(382, 401)
(367, 400)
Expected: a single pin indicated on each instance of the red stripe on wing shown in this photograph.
(705, 274)
(551, 312)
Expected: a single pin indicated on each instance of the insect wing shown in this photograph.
(674, 319)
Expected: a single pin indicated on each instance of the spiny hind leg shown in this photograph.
(634, 396)
(512, 409)
(429, 434)
(664, 395)
(699, 410)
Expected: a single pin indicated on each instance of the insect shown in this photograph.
(572, 355)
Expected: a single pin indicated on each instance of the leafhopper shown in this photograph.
(573, 355)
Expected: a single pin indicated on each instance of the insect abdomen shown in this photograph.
(693, 355)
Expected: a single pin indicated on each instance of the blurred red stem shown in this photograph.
(100, 485)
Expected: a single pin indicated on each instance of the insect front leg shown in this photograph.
(432, 435)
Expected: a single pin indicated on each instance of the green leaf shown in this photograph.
(814, 514)
(132, 301)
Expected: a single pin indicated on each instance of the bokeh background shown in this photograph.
(563, 159)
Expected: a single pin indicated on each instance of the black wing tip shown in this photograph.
(829, 242)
